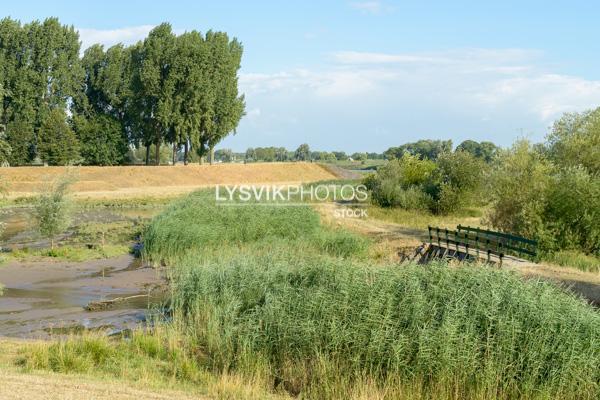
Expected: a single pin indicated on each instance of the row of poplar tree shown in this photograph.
(59, 108)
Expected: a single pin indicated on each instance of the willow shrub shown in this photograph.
(317, 326)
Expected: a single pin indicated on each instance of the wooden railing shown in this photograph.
(483, 242)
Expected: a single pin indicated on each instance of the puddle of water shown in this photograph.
(47, 298)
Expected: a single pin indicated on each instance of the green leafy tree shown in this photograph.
(103, 115)
(227, 105)
(518, 188)
(40, 71)
(575, 141)
(224, 155)
(20, 135)
(58, 144)
(5, 150)
(302, 153)
(375, 156)
(267, 154)
(359, 156)
(153, 88)
(484, 150)
(52, 210)
(340, 155)
(250, 155)
(102, 140)
(281, 154)
(430, 149)
(191, 90)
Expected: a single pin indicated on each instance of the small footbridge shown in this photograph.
(468, 243)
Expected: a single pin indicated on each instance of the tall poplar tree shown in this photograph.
(226, 107)
(102, 118)
(153, 88)
(190, 86)
(41, 72)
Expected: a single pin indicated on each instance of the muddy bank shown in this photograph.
(20, 232)
(43, 298)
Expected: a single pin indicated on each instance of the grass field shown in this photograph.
(291, 307)
(168, 181)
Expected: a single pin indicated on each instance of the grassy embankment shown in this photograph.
(288, 307)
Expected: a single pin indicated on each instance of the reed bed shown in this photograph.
(322, 327)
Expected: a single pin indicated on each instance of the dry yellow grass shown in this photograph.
(18, 386)
(138, 181)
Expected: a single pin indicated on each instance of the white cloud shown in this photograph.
(372, 6)
(545, 95)
(110, 37)
(356, 57)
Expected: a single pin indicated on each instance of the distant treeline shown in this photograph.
(423, 149)
(281, 154)
(59, 108)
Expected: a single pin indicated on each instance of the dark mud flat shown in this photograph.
(47, 298)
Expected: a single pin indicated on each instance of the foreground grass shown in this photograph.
(288, 307)
(148, 363)
(326, 328)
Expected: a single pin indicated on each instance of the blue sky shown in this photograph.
(367, 75)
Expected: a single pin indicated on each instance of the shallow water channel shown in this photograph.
(46, 297)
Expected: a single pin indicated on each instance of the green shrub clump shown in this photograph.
(443, 186)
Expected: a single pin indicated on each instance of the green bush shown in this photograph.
(558, 206)
(399, 183)
(52, 209)
(449, 184)
(572, 212)
(574, 141)
(456, 182)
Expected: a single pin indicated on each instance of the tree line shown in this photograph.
(423, 149)
(56, 107)
(282, 154)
